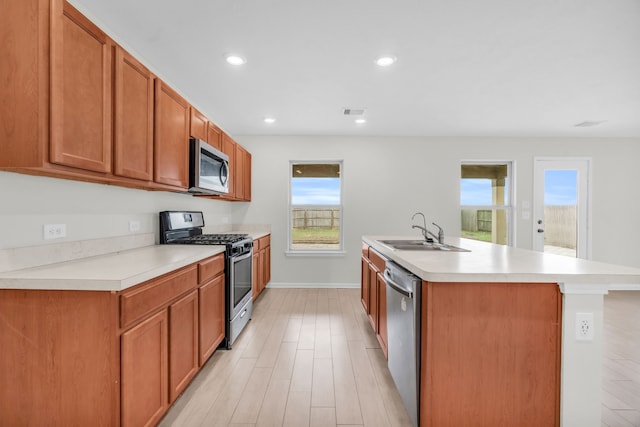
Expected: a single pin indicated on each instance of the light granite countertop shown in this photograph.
(110, 272)
(488, 262)
(104, 265)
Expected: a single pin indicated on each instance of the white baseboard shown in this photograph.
(314, 285)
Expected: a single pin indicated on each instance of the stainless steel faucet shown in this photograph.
(425, 232)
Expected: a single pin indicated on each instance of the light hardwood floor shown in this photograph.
(307, 358)
(621, 370)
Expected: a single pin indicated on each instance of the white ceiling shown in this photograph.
(530, 68)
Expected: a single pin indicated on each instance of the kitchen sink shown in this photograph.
(421, 245)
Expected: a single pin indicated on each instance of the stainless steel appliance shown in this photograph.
(403, 328)
(178, 227)
(208, 169)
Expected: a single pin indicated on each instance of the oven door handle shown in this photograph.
(241, 257)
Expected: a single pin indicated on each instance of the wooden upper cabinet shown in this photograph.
(198, 125)
(80, 91)
(247, 176)
(133, 121)
(214, 136)
(238, 172)
(171, 148)
(24, 110)
(229, 148)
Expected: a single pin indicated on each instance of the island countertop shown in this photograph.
(489, 262)
(111, 272)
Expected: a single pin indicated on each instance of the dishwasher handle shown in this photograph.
(404, 291)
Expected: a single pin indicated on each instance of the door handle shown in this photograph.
(540, 230)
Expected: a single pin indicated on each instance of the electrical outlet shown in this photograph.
(54, 231)
(134, 225)
(584, 326)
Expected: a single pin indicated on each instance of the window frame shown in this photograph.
(509, 205)
(340, 251)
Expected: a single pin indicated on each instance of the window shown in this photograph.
(315, 207)
(486, 201)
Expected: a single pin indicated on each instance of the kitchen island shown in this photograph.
(498, 340)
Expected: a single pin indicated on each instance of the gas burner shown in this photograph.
(211, 239)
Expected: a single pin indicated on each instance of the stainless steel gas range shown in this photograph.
(185, 228)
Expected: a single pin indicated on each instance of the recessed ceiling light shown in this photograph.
(360, 121)
(234, 59)
(269, 120)
(386, 60)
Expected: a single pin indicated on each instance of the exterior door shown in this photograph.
(561, 211)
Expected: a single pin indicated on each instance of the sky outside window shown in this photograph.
(560, 187)
(478, 192)
(315, 191)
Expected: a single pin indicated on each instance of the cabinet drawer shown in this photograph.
(155, 294)
(210, 268)
(256, 245)
(377, 260)
(265, 241)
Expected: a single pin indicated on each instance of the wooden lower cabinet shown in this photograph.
(364, 284)
(490, 354)
(373, 294)
(373, 298)
(211, 301)
(102, 358)
(60, 358)
(144, 370)
(261, 264)
(183, 343)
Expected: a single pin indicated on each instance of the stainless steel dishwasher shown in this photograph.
(403, 327)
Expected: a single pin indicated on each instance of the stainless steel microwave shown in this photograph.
(208, 169)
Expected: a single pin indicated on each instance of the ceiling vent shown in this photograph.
(589, 123)
(353, 111)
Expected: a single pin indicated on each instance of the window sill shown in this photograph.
(315, 253)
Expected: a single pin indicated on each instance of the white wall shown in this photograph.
(90, 211)
(387, 179)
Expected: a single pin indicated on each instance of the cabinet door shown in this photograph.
(214, 136)
(238, 172)
(211, 303)
(133, 124)
(229, 148)
(144, 367)
(382, 312)
(183, 343)
(171, 136)
(490, 352)
(373, 298)
(247, 176)
(267, 265)
(80, 91)
(364, 284)
(198, 125)
(263, 268)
